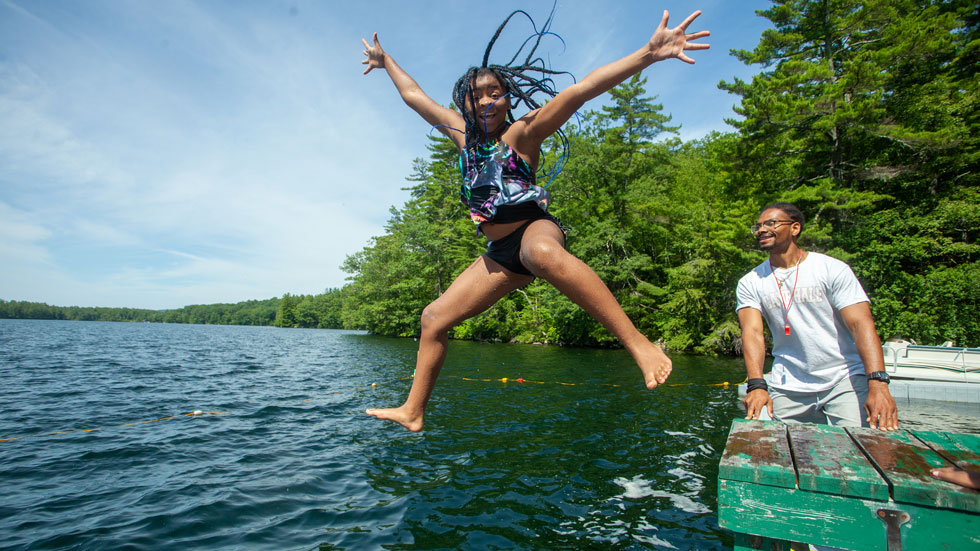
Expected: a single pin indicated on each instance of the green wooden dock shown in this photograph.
(853, 488)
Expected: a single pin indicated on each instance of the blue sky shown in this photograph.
(160, 154)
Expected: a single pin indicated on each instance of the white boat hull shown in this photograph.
(905, 361)
(930, 373)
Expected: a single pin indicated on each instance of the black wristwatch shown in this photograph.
(879, 376)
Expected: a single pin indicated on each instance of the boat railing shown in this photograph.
(893, 365)
(965, 358)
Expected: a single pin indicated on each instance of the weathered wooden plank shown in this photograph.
(962, 449)
(844, 522)
(758, 451)
(827, 460)
(907, 463)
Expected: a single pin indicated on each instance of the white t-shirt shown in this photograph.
(820, 350)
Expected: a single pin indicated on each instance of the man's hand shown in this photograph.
(754, 402)
(880, 406)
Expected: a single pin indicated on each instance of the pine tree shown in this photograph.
(865, 117)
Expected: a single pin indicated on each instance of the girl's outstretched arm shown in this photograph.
(438, 116)
(665, 43)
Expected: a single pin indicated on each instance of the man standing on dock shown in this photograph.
(828, 364)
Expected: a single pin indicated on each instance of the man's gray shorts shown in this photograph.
(842, 405)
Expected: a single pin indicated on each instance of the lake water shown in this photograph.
(578, 456)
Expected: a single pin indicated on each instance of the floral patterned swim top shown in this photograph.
(494, 175)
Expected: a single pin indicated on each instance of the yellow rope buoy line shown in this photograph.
(195, 413)
(199, 413)
(522, 380)
(370, 386)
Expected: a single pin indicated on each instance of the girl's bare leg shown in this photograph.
(543, 253)
(476, 289)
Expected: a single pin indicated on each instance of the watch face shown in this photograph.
(879, 376)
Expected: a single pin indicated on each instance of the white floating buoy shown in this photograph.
(197, 412)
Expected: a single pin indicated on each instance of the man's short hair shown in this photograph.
(790, 209)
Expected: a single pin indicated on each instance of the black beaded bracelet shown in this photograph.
(756, 384)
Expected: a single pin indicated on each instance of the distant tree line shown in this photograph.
(316, 311)
(15, 309)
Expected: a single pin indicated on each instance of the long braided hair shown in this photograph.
(521, 81)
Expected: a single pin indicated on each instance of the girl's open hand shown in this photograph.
(375, 55)
(666, 43)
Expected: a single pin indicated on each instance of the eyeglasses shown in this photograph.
(769, 224)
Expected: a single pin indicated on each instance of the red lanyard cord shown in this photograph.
(786, 306)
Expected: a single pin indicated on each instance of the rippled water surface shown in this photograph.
(578, 456)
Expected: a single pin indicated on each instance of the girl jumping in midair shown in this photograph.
(498, 158)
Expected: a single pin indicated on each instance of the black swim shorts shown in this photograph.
(507, 250)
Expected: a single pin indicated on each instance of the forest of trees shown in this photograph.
(252, 312)
(865, 114)
(312, 311)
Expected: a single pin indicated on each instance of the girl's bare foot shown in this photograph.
(400, 415)
(654, 364)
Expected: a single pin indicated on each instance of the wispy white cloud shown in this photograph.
(20, 235)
